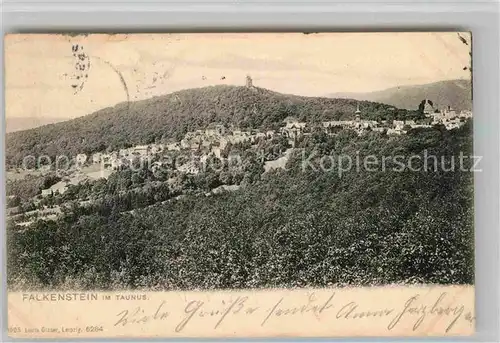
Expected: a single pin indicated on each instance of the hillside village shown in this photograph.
(190, 155)
(215, 138)
(157, 196)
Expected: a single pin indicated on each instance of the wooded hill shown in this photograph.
(171, 116)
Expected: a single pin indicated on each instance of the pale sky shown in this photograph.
(41, 68)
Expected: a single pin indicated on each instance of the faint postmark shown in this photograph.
(82, 67)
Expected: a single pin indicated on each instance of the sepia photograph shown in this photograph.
(265, 164)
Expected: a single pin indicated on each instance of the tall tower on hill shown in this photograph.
(249, 82)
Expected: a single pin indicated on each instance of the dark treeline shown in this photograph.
(290, 227)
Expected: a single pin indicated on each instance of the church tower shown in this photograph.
(357, 110)
(427, 107)
(358, 113)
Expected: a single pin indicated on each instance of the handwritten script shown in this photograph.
(415, 312)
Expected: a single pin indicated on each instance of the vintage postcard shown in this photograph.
(239, 185)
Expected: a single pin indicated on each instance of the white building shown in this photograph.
(216, 151)
(215, 130)
(156, 148)
(141, 150)
(415, 126)
(444, 115)
(173, 146)
(223, 143)
(453, 123)
(292, 123)
(81, 159)
(123, 152)
(116, 162)
(293, 128)
(270, 133)
(189, 168)
(339, 123)
(394, 132)
(365, 124)
(60, 187)
(398, 124)
(465, 114)
(96, 158)
(260, 135)
(191, 142)
(46, 192)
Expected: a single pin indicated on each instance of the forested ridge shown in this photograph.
(170, 116)
(284, 228)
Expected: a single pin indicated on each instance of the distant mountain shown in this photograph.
(26, 123)
(172, 115)
(454, 93)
